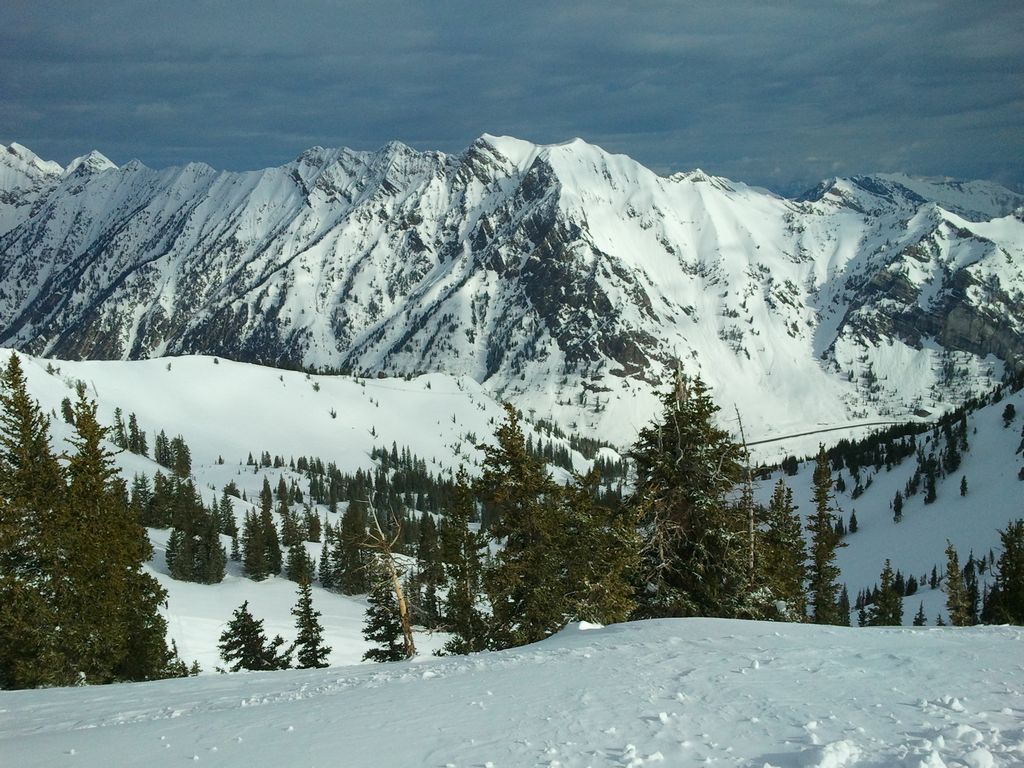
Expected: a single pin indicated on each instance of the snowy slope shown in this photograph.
(675, 692)
(229, 410)
(561, 277)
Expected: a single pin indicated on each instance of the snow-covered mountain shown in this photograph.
(563, 278)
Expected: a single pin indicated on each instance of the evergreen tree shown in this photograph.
(602, 553)
(383, 626)
(897, 507)
(325, 572)
(461, 550)
(311, 651)
(1006, 600)
(887, 610)
(919, 617)
(524, 584)
(244, 645)
(783, 555)
(116, 630)
(349, 560)
(136, 437)
(300, 566)
(823, 572)
(430, 575)
(956, 591)
(118, 434)
(31, 490)
(694, 543)
(254, 549)
(271, 542)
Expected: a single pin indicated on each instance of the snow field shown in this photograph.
(674, 692)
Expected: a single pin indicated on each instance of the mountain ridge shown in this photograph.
(542, 271)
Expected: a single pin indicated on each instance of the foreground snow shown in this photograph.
(672, 692)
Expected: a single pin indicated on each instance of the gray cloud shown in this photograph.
(779, 94)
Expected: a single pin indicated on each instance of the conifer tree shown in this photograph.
(349, 560)
(919, 617)
(431, 572)
(383, 625)
(244, 645)
(254, 549)
(31, 490)
(823, 572)
(694, 540)
(524, 583)
(461, 550)
(99, 579)
(602, 554)
(325, 571)
(299, 567)
(956, 591)
(887, 610)
(783, 554)
(309, 644)
(1005, 603)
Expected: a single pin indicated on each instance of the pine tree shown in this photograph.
(31, 490)
(1006, 600)
(243, 645)
(602, 552)
(887, 610)
(897, 507)
(694, 540)
(461, 550)
(311, 651)
(325, 571)
(956, 591)
(383, 626)
(431, 573)
(349, 560)
(254, 549)
(524, 583)
(919, 617)
(783, 554)
(299, 567)
(99, 579)
(823, 572)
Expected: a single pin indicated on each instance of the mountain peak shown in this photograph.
(21, 157)
(94, 162)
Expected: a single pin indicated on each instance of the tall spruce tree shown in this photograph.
(99, 579)
(383, 624)
(782, 556)
(956, 591)
(462, 553)
(602, 554)
(887, 610)
(524, 583)
(31, 491)
(694, 540)
(309, 644)
(244, 645)
(348, 556)
(1005, 604)
(823, 572)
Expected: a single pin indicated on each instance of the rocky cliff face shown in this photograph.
(564, 278)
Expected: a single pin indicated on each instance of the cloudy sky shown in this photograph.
(776, 93)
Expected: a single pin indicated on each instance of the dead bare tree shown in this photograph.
(379, 541)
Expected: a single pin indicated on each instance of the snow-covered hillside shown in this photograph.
(227, 410)
(675, 692)
(563, 278)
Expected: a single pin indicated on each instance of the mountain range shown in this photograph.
(565, 279)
